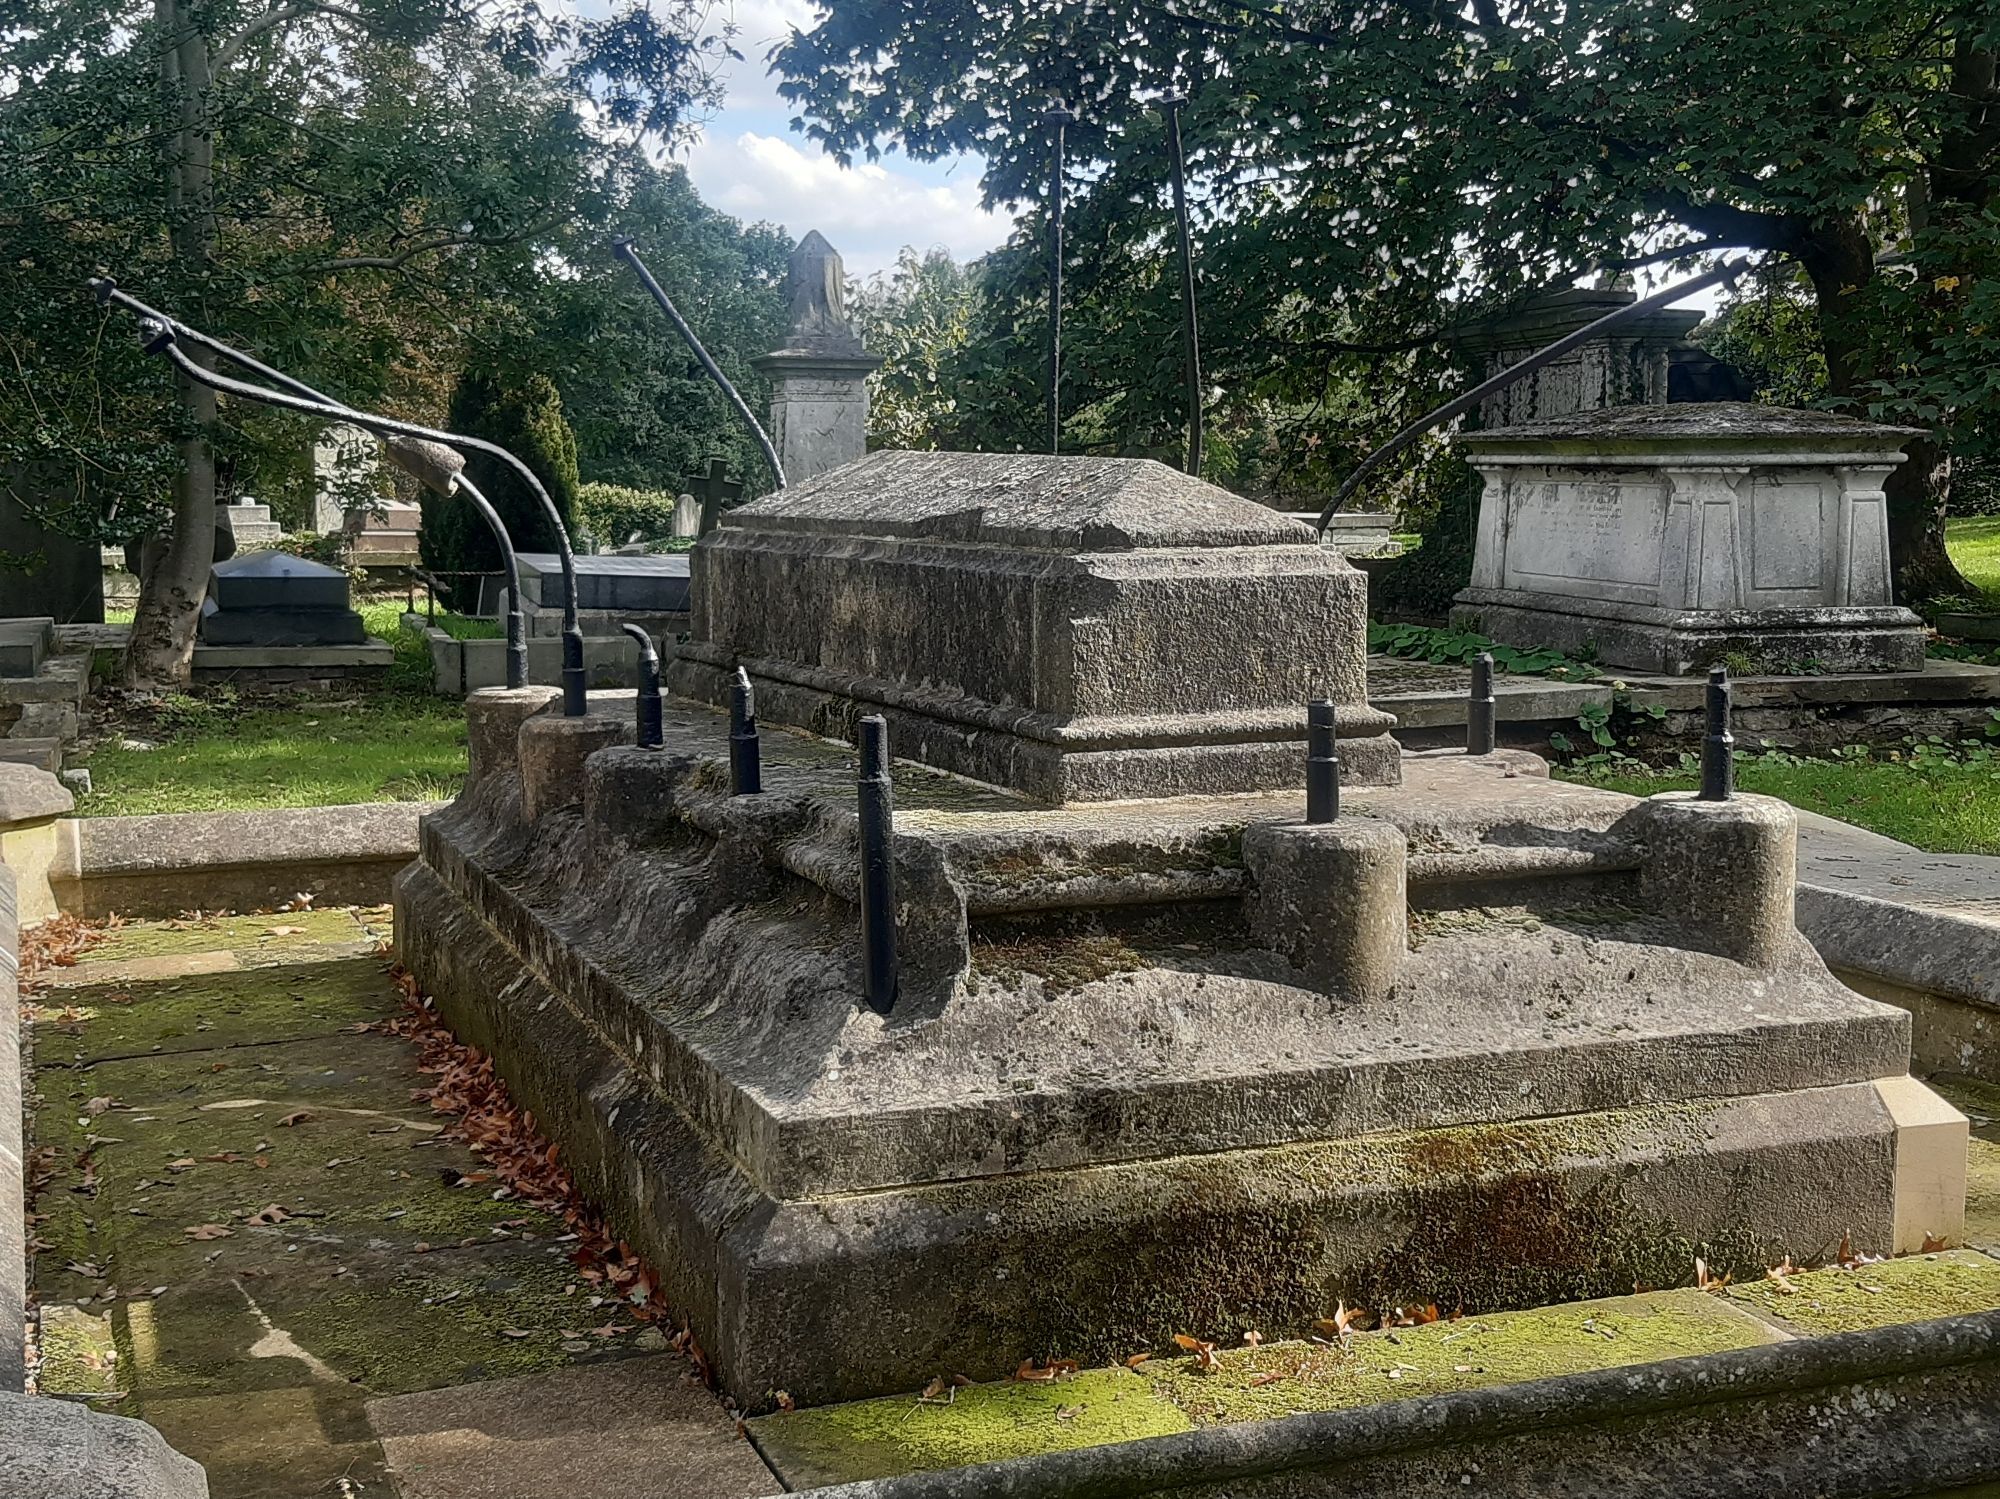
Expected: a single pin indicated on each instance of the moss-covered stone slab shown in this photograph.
(977, 1424)
(284, 932)
(295, 1442)
(1284, 1379)
(249, 1007)
(1980, 1102)
(1915, 1289)
(79, 1355)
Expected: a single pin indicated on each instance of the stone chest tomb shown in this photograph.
(1157, 1062)
(1666, 538)
(1075, 629)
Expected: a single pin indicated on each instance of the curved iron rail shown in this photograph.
(296, 395)
(517, 644)
(622, 247)
(1459, 405)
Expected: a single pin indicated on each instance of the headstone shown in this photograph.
(711, 492)
(819, 379)
(273, 599)
(653, 584)
(251, 524)
(1626, 367)
(1666, 538)
(23, 645)
(345, 466)
(687, 517)
(61, 576)
(384, 533)
(1076, 629)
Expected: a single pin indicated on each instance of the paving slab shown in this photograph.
(640, 1429)
(254, 1227)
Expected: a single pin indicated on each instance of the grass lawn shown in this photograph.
(1942, 809)
(1974, 544)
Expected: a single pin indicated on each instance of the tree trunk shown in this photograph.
(161, 650)
(1839, 259)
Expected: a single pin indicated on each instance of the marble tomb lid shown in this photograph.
(1681, 427)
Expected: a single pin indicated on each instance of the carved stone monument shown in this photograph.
(1668, 538)
(819, 379)
(344, 468)
(1627, 367)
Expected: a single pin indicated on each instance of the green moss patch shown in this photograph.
(78, 1354)
(1914, 1289)
(1286, 1379)
(286, 931)
(982, 1424)
(212, 1011)
(1980, 1101)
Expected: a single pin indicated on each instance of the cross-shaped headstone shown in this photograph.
(711, 489)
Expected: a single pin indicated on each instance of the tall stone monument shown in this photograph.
(344, 469)
(819, 379)
(1627, 367)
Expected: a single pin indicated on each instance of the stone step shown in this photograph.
(23, 645)
(43, 754)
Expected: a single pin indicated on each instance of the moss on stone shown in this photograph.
(252, 934)
(1980, 1102)
(983, 1423)
(1914, 1289)
(249, 1006)
(78, 1354)
(1283, 1379)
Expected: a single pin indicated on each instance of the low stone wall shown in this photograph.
(1898, 1410)
(218, 861)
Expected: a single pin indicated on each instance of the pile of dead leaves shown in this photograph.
(57, 943)
(526, 1164)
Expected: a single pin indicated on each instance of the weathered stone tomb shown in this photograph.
(1160, 1064)
(1668, 538)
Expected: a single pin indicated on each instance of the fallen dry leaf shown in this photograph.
(99, 1105)
(1270, 1376)
(1204, 1353)
(284, 931)
(1345, 1320)
(1252, 1338)
(1932, 1244)
(785, 1401)
(1054, 1369)
(1137, 1359)
(301, 902)
(296, 1117)
(208, 1231)
(515, 1332)
(267, 1217)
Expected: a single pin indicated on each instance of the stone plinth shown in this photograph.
(650, 591)
(1154, 1064)
(24, 643)
(1074, 629)
(272, 599)
(1668, 538)
(32, 803)
(819, 379)
(251, 524)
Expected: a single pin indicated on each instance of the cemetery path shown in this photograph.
(255, 1233)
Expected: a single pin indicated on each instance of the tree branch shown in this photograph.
(423, 247)
(278, 15)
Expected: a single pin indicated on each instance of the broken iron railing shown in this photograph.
(623, 248)
(162, 336)
(1728, 271)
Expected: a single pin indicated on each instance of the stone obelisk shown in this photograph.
(819, 379)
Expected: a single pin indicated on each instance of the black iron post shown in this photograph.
(162, 333)
(1322, 762)
(1058, 117)
(651, 733)
(1190, 325)
(877, 800)
(1718, 747)
(623, 249)
(1481, 713)
(746, 764)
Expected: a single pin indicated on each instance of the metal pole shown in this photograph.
(1481, 713)
(1322, 763)
(746, 767)
(296, 395)
(623, 249)
(1057, 117)
(877, 803)
(1190, 326)
(517, 637)
(1718, 748)
(651, 734)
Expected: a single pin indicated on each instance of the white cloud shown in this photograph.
(868, 211)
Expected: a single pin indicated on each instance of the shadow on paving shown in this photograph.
(252, 1232)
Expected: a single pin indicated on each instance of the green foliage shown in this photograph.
(615, 515)
(523, 415)
(1458, 647)
(1771, 333)
(919, 319)
(1424, 580)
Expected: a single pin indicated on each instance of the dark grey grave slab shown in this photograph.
(280, 626)
(643, 585)
(23, 644)
(276, 580)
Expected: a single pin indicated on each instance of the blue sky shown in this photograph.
(750, 163)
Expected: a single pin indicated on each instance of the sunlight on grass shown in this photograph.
(1942, 809)
(1974, 544)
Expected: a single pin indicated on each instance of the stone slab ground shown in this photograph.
(394, 1327)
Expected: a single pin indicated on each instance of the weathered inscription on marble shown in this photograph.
(1574, 535)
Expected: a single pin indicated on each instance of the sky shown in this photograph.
(750, 163)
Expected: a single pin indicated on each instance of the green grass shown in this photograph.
(386, 747)
(1940, 808)
(1974, 544)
